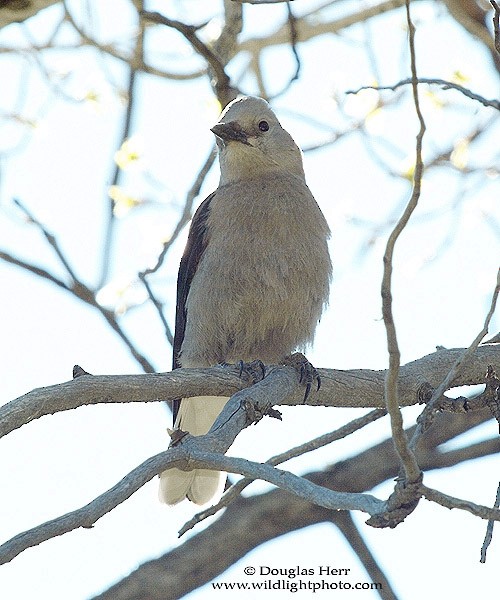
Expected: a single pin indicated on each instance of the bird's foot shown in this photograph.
(305, 370)
(253, 372)
(176, 436)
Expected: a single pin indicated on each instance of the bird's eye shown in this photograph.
(264, 126)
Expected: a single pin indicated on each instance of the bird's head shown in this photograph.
(252, 142)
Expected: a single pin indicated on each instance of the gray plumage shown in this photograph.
(255, 275)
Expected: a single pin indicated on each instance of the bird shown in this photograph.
(255, 275)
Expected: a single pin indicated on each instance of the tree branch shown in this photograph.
(77, 287)
(138, 54)
(409, 463)
(359, 388)
(186, 212)
(446, 85)
(252, 521)
(235, 490)
(313, 28)
(129, 59)
(43, 273)
(489, 529)
(185, 457)
(484, 512)
(196, 452)
(244, 407)
(425, 418)
(223, 89)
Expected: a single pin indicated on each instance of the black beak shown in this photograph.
(230, 132)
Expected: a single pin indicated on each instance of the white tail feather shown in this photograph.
(196, 415)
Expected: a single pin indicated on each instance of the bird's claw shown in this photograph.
(176, 436)
(305, 370)
(253, 372)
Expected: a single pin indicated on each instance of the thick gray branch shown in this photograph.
(357, 388)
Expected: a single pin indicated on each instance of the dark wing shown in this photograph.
(195, 246)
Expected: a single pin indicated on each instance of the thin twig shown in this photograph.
(186, 212)
(77, 287)
(222, 85)
(184, 218)
(115, 53)
(34, 269)
(117, 171)
(483, 512)
(159, 308)
(425, 418)
(412, 470)
(294, 36)
(446, 85)
(489, 529)
(38, 59)
(52, 241)
(313, 28)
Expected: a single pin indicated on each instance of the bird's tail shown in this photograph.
(196, 415)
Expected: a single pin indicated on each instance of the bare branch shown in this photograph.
(186, 211)
(226, 45)
(314, 28)
(183, 220)
(358, 388)
(408, 460)
(51, 239)
(292, 22)
(222, 85)
(43, 273)
(77, 287)
(440, 459)
(425, 419)
(196, 452)
(199, 452)
(489, 529)
(129, 59)
(483, 512)
(446, 85)
(117, 172)
(235, 490)
(254, 520)
(186, 456)
(466, 404)
(159, 309)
